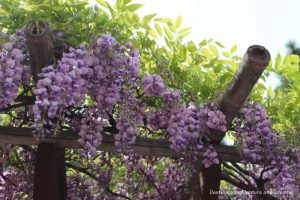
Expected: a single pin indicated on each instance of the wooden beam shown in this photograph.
(39, 42)
(254, 63)
(145, 146)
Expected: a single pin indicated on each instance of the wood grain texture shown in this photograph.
(40, 46)
(145, 146)
(50, 170)
(254, 63)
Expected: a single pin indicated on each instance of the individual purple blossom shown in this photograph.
(153, 85)
(210, 157)
(216, 120)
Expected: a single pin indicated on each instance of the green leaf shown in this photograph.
(168, 33)
(278, 61)
(226, 54)
(203, 43)
(147, 19)
(172, 27)
(119, 4)
(233, 49)
(184, 34)
(213, 50)
(112, 11)
(198, 58)
(158, 29)
(192, 47)
(165, 20)
(152, 33)
(185, 29)
(102, 3)
(178, 22)
(134, 7)
(125, 2)
(3, 12)
(294, 59)
(270, 92)
(220, 45)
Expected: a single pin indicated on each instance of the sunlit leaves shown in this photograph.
(147, 19)
(233, 49)
(168, 33)
(214, 50)
(158, 29)
(133, 7)
(178, 22)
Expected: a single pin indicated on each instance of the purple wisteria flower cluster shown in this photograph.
(99, 74)
(168, 183)
(153, 85)
(16, 178)
(255, 135)
(131, 114)
(60, 87)
(260, 143)
(210, 157)
(189, 126)
(13, 70)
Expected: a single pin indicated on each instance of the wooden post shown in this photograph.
(50, 173)
(254, 63)
(50, 169)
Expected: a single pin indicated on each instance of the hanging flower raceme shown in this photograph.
(255, 134)
(60, 87)
(12, 68)
(188, 127)
(153, 85)
(99, 75)
(260, 143)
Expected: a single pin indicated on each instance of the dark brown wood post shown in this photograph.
(50, 169)
(254, 63)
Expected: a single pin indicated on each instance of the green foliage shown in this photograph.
(283, 103)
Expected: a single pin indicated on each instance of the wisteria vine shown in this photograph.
(98, 90)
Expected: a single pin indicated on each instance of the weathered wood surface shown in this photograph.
(254, 63)
(146, 146)
(39, 42)
(50, 170)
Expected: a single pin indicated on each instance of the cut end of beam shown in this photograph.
(258, 54)
(35, 28)
(254, 63)
(40, 46)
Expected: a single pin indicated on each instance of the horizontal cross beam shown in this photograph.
(145, 146)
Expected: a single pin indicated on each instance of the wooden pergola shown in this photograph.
(50, 166)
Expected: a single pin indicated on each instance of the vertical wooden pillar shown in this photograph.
(50, 173)
(254, 63)
(50, 169)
